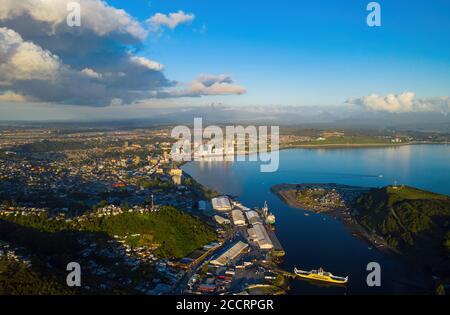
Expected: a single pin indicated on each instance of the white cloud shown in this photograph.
(10, 96)
(97, 16)
(171, 20)
(91, 73)
(402, 103)
(44, 60)
(208, 85)
(28, 69)
(149, 64)
(22, 60)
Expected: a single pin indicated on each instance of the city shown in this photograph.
(72, 180)
(224, 155)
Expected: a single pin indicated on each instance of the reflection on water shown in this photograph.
(317, 240)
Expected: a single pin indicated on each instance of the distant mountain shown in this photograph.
(346, 117)
(419, 121)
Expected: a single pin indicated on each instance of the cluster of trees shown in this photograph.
(414, 221)
(17, 279)
(51, 243)
(403, 212)
(404, 215)
(175, 233)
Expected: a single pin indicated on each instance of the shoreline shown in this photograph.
(226, 157)
(343, 214)
(275, 255)
(423, 281)
(372, 241)
(357, 145)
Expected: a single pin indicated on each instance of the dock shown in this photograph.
(277, 248)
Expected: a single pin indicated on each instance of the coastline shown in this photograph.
(225, 157)
(275, 256)
(356, 145)
(342, 214)
(358, 231)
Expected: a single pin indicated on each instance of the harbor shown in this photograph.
(246, 258)
(312, 240)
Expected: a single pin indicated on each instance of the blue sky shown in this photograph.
(306, 52)
(234, 52)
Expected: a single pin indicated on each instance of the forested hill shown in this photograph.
(414, 221)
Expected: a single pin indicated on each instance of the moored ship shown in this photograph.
(270, 217)
(320, 275)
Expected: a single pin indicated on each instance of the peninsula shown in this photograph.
(410, 222)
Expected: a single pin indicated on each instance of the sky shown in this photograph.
(236, 52)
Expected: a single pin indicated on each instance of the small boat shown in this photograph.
(320, 275)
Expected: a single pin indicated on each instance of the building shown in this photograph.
(238, 217)
(207, 288)
(176, 180)
(230, 254)
(176, 175)
(258, 234)
(253, 217)
(221, 220)
(221, 203)
(176, 172)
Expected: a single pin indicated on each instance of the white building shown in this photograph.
(230, 254)
(238, 217)
(221, 203)
(221, 220)
(253, 217)
(258, 234)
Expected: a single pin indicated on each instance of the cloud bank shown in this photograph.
(42, 59)
(402, 103)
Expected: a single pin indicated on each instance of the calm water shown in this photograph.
(318, 240)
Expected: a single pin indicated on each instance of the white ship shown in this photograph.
(270, 217)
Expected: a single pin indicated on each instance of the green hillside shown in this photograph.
(175, 233)
(50, 244)
(414, 221)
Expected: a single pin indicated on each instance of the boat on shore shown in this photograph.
(320, 275)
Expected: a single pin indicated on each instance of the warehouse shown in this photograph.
(221, 220)
(238, 217)
(258, 234)
(230, 254)
(221, 203)
(253, 217)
